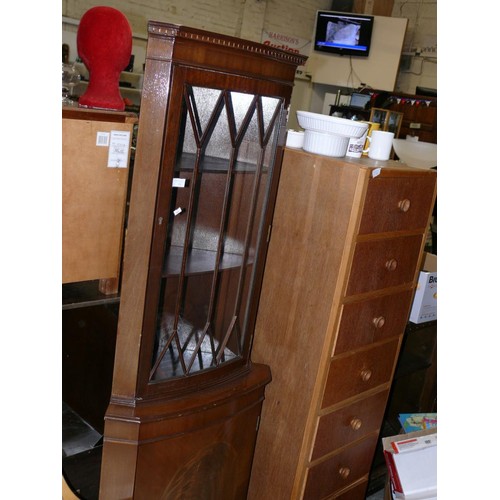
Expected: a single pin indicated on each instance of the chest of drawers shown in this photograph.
(345, 248)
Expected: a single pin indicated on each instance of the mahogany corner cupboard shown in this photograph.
(186, 399)
(344, 255)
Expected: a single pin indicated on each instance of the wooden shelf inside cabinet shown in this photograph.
(212, 164)
(199, 261)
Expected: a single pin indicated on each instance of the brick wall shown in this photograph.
(248, 18)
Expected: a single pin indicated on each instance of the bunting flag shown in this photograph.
(410, 101)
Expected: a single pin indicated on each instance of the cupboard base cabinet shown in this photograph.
(186, 399)
(186, 448)
(345, 249)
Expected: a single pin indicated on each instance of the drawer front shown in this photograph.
(371, 320)
(340, 470)
(397, 203)
(349, 424)
(359, 372)
(383, 263)
(356, 493)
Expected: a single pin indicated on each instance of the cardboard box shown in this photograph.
(412, 464)
(424, 306)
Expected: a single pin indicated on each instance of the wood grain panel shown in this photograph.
(356, 493)
(295, 306)
(359, 372)
(93, 202)
(371, 267)
(404, 202)
(327, 477)
(371, 320)
(348, 424)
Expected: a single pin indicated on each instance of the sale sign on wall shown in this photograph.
(287, 42)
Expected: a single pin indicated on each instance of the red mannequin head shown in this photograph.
(104, 42)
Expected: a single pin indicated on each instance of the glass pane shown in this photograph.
(394, 119)
(223, 170)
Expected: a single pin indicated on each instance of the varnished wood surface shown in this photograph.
(345, 375)
(202, 440)
(325, 478)
(188, 436)
(357, 327)
(302, 273)
(325, 283)
(74, 113)
(349, 424)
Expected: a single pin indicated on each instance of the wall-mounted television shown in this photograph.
(343, 33)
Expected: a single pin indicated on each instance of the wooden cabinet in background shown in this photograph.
(419, 118)
(346, 243)
(94, 195)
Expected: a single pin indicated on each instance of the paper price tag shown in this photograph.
(178, 182)
(118, 149)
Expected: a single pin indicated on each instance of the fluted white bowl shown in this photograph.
(318, 122)
(323, 143)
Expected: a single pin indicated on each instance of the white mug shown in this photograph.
(355, 146)
(380, 145)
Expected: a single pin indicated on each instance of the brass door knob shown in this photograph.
(404, 205)
(355, 424)
(391, 264)
(366, 375)
(344, 472)
(379, 322)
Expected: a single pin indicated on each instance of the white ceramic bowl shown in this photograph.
(331, 124)
(415, 153)
(294, 139)
(325, 144)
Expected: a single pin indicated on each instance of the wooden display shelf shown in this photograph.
(200, 261)
(86, 294)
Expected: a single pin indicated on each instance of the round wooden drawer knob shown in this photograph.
(355, 424)
(404, 205)
(379, 322)
(391, 264)
(344, 472)
(366, 375)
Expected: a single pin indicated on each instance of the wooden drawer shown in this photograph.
(395, 204)
(340, 470)
(351, 375)
(355, 493)
(349, 424)
(383, 263)
(370, 320)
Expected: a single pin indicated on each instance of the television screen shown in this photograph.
(343, 33)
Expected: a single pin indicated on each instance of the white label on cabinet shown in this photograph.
(102, 139)
(178, 211)
(118, 149)
(177, 182)
(376, 172)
